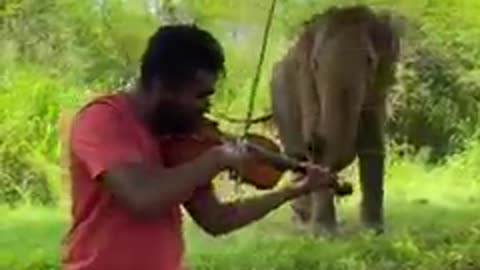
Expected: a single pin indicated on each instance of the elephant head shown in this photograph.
(345, 71)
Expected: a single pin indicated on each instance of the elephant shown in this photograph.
(328, 100)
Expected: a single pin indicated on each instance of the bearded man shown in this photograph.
(126, 211)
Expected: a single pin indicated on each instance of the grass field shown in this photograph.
(433, 223)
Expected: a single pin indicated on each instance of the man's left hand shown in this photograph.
(316, 178)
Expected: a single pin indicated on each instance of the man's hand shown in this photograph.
(220, 217)
(234, 155)
(317, 177)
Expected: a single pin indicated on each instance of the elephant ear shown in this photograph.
(397, 23)
(395, 26)
(385, 35)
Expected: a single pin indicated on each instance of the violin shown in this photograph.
(264, 167)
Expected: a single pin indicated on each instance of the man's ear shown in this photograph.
(159, 91)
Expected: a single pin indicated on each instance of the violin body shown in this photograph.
(264, 167)
(257, 172)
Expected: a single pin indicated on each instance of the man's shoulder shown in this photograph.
(101, 105)
(101, 112)
(110, 100)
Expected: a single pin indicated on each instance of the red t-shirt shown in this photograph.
(103, 236)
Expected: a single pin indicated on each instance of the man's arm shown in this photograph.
(150, 192)
(102, 143)
(218, 218)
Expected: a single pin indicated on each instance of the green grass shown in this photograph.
(432, 215)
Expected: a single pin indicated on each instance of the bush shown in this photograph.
(434, 104)
(56, 50)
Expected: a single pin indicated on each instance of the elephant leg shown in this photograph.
(321, 214)
(371, 153)
(287, 116)
(371, 177)
(286, 111)
(323, 218)
(308, 108)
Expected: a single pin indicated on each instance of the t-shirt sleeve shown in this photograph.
(101, 140)
(201, 196)
(201, 190)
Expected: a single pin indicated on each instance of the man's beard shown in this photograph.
(172, 119)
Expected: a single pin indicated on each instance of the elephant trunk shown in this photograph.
(341, 88)
(337, 130)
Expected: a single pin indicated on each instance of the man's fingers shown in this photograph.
(300, 177)
(320, 176)
(318, 171)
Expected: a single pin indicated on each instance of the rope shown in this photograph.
(259, 68)
(255, 86)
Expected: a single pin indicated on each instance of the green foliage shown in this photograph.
(56, 53)
(432, 224)
(435, 102)
(30, 102)
(59, 51)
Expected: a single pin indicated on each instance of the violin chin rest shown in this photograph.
(258, 172)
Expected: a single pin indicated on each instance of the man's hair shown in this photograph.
(175, 52)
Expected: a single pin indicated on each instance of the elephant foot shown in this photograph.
(316, 229)
(322, 229)
(323, 215)
(377, 228)
(315, 214)
(301, 210)
(373, 221)
(299, 222)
